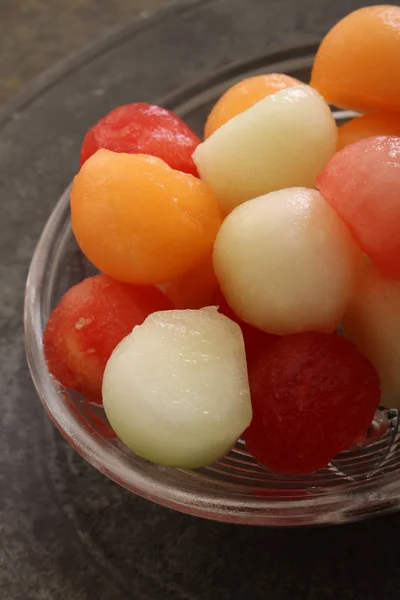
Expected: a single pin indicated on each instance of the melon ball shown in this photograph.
(244, 94)
(372, 322)
(371, 125)
(326, 390)
(91, 318)
(140, 221)
(285, 262)
(176, 390)
(282, 141)
(362, 182)
(358, 62)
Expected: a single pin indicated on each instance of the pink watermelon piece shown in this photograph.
(362, 182)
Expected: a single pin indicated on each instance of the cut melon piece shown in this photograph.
(282, 141)
(372, 322)
(362, 182)
(358, 62)
(285, 262)
(176, 390)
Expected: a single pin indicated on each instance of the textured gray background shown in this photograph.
(66, 532)
(35, 34)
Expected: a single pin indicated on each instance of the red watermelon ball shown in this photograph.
(362, 182)
(312, 395)
(88, 323)
(141, 128)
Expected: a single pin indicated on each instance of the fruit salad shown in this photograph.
(249, 281)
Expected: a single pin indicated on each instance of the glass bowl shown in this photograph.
(361, 482)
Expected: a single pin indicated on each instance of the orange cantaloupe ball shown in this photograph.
(358, 62)
(196, 288)
(244, 94)
(368, 126)
(140, 221)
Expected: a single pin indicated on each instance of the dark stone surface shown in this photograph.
(35, 34)
(66, 532)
